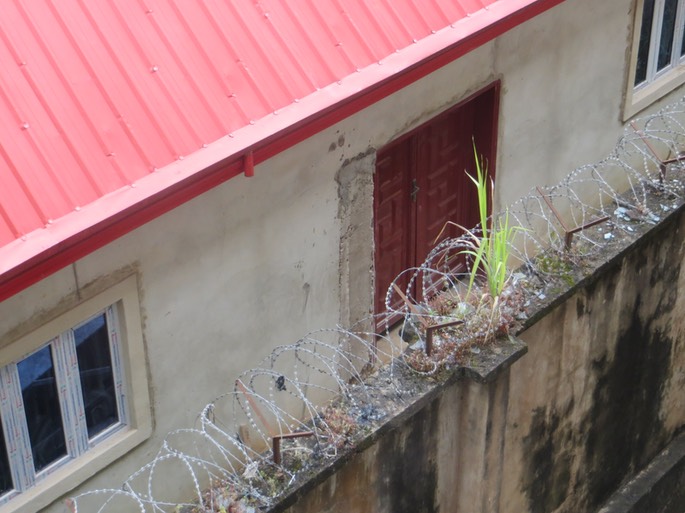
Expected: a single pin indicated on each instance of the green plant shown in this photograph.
(490, 251)
(444, 303)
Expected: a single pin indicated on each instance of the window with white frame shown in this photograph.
(661, 39)
(73, 398)
(59, 401)
(658, 64)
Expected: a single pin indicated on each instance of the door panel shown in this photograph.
(445, 153)
(393, 218)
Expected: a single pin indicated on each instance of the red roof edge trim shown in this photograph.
(306, 128)
(110, 229)
(77, 245)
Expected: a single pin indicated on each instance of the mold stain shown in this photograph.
(580, 307)
(623, 425)
(622, 430)
(409, 464)
(547, 475)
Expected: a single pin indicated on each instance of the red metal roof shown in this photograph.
(113, 112)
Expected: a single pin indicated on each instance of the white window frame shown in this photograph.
(657, 83)
(84, 456)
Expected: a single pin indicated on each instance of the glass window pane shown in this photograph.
(97, 379)
(645, 37)
(5, 475)
(41, 405)
(667, 34)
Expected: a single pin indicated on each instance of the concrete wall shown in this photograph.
(435, 461)
(294, 245)
(600, 393)
(598, 396)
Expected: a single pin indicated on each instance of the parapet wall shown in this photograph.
(599, 394)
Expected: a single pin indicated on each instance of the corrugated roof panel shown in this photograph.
(198, 60)
(115, 71)
(289, 36)
(326, 41)
(302, 35)
(26, 213)
(280, 60)
(25, 179)
(152, 71)
(23, 160)
(196, 121)
(261, 58)
(401, 28)
(28, 133)
(98, 96)
(58, 116)
(242, 89)
(75, 108)
(372, 29)
(348, 41)
(6, 229)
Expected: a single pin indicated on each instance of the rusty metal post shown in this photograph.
(431, 329)
(276, 443)
(248, 395)
(568, 233)
(662, 163)
(412, 307)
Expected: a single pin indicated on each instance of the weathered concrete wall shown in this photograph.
(408, 463)
(413, 469)
(601, 391)
(294, 243)
(599, 394)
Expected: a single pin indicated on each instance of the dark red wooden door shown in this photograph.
(394, 219)
(444, 153)
(420, 183)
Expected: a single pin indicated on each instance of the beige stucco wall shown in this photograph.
(258, 262)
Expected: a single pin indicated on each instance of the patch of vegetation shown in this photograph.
(558, 265)
(484, 319)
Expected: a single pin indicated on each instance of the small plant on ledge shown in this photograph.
(490, 304)
(491, 249)
(489, 246)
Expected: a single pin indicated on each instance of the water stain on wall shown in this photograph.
(624, 428)
(409, 466)
(548, 465)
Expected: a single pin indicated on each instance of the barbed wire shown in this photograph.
(308, 401)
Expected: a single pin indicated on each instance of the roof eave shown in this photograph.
(44, 252)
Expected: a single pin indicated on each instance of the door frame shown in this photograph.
(488, 131)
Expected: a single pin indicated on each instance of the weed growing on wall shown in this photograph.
(491, 250)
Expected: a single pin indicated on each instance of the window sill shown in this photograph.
(638, 100)
(72, 474)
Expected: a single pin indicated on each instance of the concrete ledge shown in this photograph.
(659, 488)
(482, 369)
(485, 438)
